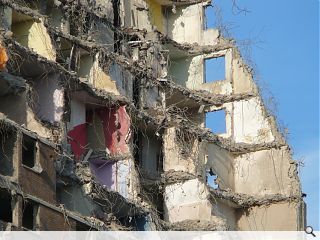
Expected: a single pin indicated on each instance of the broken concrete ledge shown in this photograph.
(196, 49)
(111, 99)
(167, 178)
(133, 67)
(4, 121)
(196, 225)
(75, 83)
(80, 174)
(14, 84)
(171, 176)
(240, 200)
(66, 5)
(205, 97)
(228, 143)
(127, 63)
(92, 222)
(22, 9)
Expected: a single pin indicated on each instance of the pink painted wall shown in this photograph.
(116, 125)
(77, 137)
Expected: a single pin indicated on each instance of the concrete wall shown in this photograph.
(188, 17)
(105, 172)
(102, 34)
(222, 163)
(85, 68)
(190, 72)
(187, 200)
(275, 217)
(241, 76)
(77, 113)
(89, 68)
(266, 172)
(139, 15)
(173, 159)
(250, 123)
(226, 212)
(57, 20)
(152, 99)
(187, 72)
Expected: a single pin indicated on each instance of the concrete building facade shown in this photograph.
(106, 111)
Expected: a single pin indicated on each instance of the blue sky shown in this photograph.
(281, 38)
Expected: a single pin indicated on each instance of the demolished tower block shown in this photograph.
(134, 115)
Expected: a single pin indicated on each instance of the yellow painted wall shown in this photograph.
(155, 14)
(102, 80)
(34, 35)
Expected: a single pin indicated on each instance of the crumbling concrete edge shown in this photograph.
(12, 186)
(240, 200)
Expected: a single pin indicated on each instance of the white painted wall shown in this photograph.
(191, 191)
(250, 123)
(49, 97)
(221, 162)
(265, 172)
(187, 200)
(187, 72)
(178, 25)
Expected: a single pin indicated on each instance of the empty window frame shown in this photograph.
(29, 212)
(28, 151)
(5, 206)
(216, 121)
(214, 69)
(7, 142)
(208, 18)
